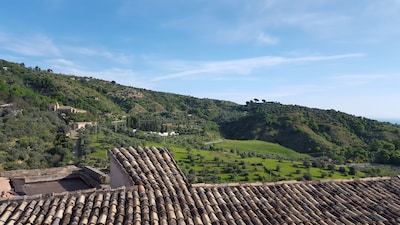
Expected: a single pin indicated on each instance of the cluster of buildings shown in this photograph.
(67, 110)
(164, 134)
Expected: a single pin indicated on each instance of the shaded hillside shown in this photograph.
(318, 132)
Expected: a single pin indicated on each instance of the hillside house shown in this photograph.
(67, 110)
(7, 106)
(81, 125)
(12, 107)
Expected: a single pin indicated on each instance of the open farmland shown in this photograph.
(244, 161)
(250, 161)
(260, 148)
(214, 167)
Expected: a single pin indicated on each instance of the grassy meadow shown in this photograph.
(240, 161)
(227, 163)
(249, 161)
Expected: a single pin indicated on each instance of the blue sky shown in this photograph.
(328, 54)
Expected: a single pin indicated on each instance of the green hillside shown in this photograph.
(125, 115)
(260, 147)
(337, 135)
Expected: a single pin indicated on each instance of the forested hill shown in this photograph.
(35, 87)
(318, 132)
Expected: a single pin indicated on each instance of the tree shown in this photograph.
(352, 170)
(307, 176)
(331, 167)
(318, 163)
(306, 163)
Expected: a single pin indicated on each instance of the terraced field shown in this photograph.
(250, 161)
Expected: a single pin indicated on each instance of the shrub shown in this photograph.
(307, 176)
(342, 169)
(352, 170)
(331, 167)
(307, 164)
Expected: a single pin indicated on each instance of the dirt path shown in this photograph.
(214, 142)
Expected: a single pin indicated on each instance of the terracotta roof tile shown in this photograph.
(161, 195)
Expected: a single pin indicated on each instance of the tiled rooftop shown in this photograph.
(50, 180)
(161, 195)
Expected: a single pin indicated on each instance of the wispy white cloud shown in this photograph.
(327, 19)
(281, 93)
(114, 56)
(61, 56)
(334, 19)
(383, 19)
(64, 65)
(248, 32)
(242, 66)
(383, 8)
(245, 66)
(267, 39)
(54, 4)
(83, 50)
(122, 76)
(364, 79)
(33, 45)
(118, 57)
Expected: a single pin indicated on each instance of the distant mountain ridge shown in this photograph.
(329, 133)
(393, 121)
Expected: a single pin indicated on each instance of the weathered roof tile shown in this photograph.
(163, 196)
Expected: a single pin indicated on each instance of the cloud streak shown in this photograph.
(267, 39)
(245, 66)
(326, 20)
(364, 79)
(124, 76)
(119, 58)
(35, 45)
(41, 45)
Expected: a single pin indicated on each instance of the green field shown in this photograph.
(243, 161)
(260, 147)
(263, 162)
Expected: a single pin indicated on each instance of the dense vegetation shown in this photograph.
(33, 136)
(33, 139)
(337, 135)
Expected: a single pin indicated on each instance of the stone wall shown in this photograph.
(96, 175)
(40, 172)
